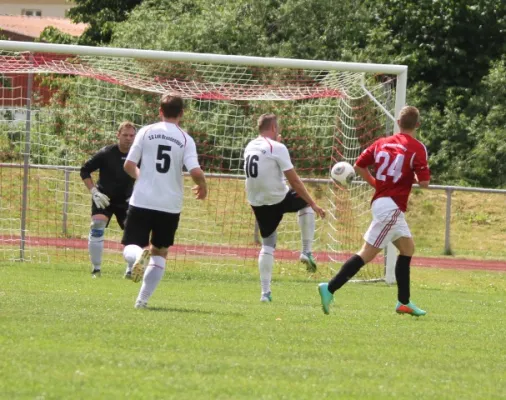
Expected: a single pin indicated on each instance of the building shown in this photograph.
(36, 8)
(25, 22)
(27, 29)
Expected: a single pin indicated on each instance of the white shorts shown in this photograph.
(388, 223)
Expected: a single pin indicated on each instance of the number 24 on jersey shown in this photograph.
(393, 168)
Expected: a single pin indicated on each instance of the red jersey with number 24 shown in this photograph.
(396, 160)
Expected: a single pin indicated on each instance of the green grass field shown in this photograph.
(207, 336)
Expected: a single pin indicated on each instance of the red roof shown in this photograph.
(33, 26)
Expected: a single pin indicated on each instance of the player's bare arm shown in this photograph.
(421, 169)
(299, 187)
(366, 175)
(200, 190)
(131, 169)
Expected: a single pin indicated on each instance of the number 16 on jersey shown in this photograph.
(251, 166)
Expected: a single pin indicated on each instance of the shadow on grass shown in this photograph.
(191, 311)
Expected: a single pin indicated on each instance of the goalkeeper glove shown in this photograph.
(100, 199)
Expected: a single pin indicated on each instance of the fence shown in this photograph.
(66, 170)
(449, 191)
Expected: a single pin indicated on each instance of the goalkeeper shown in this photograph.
(111, 193)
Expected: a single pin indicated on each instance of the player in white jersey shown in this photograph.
(157, 198)
(266, 165)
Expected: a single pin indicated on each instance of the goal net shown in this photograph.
(60, 104)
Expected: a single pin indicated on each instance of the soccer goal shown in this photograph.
(59, 104)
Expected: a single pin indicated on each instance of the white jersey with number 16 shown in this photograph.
(163, 148)
(265, 160)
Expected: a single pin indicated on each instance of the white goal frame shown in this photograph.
(400, 71)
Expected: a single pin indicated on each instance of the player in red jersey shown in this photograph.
(399, 161)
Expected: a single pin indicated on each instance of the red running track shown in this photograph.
(252, 252)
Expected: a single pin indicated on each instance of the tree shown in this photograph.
(487, 160)
(50, 34)
(451, 47)
(448, 43)
(313, 29)
(101, 15)
(468, 145)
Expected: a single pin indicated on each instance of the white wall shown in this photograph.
(48, 10)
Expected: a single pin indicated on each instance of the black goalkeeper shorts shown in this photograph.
(118, 209)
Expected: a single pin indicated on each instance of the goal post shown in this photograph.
(329, 111)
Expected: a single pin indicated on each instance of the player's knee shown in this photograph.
(97, 229)
(407, 248)
(368, 252)
(270, 241)
(304, 211)
(159, 251)
(409, 251)
(267, 250)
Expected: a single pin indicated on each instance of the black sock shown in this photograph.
(347, 271)
(402, 276)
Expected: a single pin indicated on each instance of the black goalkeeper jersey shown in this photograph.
(113, 181)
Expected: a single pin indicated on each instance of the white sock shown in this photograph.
(96, 248)
(265, 263)
(307, 228)
(130, 254)
(152, 277)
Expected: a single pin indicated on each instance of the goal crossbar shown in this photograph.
(202, 57)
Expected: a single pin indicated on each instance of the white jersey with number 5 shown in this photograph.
(163, 148)
(265, 160)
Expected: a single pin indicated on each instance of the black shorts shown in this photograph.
(269, 217)
(142, 222)
(118, 209)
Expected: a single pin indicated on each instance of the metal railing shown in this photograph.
(448, 214)
(66, 195)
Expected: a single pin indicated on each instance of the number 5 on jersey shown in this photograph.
(251, 167)
(163, 159)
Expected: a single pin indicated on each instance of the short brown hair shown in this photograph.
(172, 106)
(409, 118)
(126, 124)
(265, 121)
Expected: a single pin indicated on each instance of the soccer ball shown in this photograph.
(342, 172)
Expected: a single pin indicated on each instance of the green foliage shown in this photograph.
(101, 15)
(487, 160)
(78, 120)
(467, 139)
(445, 43)
(50, 34)
(11, 137)
(456, 76)
(315, 29)
(455, 50)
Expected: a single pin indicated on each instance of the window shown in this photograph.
(31, 13)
